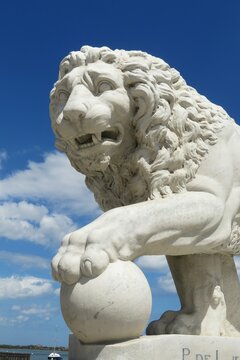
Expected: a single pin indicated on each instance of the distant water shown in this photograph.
(37, 354)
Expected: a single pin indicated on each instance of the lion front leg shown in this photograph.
(150, 227)
(66, 263)
(160, 227)
(89, 250)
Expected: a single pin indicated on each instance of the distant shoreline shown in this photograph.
(33, 347)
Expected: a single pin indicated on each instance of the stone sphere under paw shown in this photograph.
(111, 307)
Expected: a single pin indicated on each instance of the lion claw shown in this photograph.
(86, 268)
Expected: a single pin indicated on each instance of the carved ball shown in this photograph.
(112, 307)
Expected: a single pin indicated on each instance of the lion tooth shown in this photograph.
(73, 143)
(96, 139)
(99, 136)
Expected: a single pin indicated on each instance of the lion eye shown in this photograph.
(63, 96)
(62, 100)
(104, 86)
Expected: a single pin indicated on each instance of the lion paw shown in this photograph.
(158, 327)
(175, 322)
(66, 263)
(185, 324)
(78, 257)
(93, 262)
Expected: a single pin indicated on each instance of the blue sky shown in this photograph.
(41, 196)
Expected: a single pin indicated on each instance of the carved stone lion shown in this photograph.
(163, 162)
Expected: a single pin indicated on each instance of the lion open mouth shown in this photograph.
(89, 140)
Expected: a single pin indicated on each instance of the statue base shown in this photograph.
(156, 347)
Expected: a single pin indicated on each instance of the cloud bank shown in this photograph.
(44, 312)
(158, 263)
(24, 261)
(37, 204)
(26, 286)
(52, 181)
(26, 221)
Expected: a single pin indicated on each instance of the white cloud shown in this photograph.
(25, 261)
(153, 262)
(13, 321)
(22, 210)
(166, 283)
(28, 286)
(3, 156)
(37, 202)
(26, 221)
(53, 181)
(41, 311)
(57, 292)
(20, 319)
(20, 314)
(158, 263)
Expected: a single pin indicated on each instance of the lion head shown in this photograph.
(131, 124)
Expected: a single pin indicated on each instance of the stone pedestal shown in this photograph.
(159, 347)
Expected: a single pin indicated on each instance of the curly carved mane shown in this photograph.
(173, 124)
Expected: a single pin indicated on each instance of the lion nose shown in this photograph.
(76, 108)
(74, 114)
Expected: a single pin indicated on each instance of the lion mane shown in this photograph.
(173, 125)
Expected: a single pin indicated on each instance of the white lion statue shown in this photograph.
(163, 163)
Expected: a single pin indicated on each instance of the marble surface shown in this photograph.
(163, 347)
(163, 163)
(114, 306)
